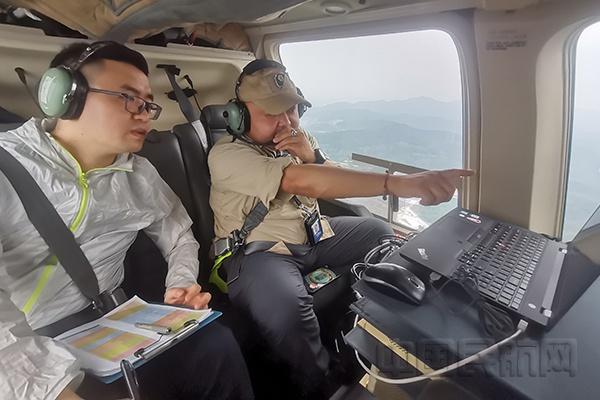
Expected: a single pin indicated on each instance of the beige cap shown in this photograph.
(271, 89)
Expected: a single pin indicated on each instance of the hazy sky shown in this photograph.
(587, 75)
(404, 65)
(390, 67)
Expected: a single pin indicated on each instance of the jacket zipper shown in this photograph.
(49, 268)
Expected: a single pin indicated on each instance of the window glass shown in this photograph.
(395, 97)
(583, 187)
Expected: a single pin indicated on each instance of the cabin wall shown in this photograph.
(516, 98)
(523, 102)
(213, 71)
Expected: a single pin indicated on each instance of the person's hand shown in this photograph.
(191, 296)
(432, 187)
(295, 142)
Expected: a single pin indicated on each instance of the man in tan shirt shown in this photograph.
(275, 162)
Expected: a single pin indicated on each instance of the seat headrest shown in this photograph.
(213, 115)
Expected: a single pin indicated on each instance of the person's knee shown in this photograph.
(220, 341)
(288, 317)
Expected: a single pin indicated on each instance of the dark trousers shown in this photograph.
(270, 289)
(207, 365)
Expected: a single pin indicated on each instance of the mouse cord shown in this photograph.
(521, 328)
(387, 244)
(358, 269)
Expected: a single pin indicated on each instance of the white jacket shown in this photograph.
(105, 208)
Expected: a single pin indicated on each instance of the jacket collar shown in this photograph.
(35, 134)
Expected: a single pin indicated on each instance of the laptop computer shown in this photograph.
(534, 277)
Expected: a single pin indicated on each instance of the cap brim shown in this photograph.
(280, 103)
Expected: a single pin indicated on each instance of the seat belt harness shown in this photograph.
(191, 114)
(226, 247)
(57, 235)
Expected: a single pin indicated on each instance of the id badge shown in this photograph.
(314, 229)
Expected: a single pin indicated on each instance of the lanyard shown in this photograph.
(303, 208)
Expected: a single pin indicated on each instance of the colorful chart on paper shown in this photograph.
(149, 314)
(109, 343)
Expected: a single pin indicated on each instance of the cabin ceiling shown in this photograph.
(126, 20)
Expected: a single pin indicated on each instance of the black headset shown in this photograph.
(236, 113)
(302, 107)
(62, 90)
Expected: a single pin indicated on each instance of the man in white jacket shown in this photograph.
(105, 194)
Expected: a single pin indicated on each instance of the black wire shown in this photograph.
(495, 321)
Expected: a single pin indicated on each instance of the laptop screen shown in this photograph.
(588, 239)
(581, 267)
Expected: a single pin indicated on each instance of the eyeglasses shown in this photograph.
(133, 104)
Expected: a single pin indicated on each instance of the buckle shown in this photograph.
(231, 243)
(98, 305)
(109, 300)
(222, 246)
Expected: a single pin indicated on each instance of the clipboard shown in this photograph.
(149, 353)
(102, 344)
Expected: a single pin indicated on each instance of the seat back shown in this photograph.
(181, 161)
(215, 121)
(198, 182)
(145, 267)
(9, 126)
(13, 120)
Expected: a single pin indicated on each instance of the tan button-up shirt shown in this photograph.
(243, 174)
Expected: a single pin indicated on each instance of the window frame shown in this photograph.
(569, 112)
(457, 28)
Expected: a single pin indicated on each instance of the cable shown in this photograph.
(358, 269)
(387, 244)
(194, 91)
(22, 74)
(495, 321)
(522, 326)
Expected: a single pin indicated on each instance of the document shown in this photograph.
(136, 331)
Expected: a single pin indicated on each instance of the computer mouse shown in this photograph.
(395, 281)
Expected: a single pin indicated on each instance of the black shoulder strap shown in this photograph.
(253, 219)
(191, 114)
(50, 226)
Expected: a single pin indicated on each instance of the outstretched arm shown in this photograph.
(323, 181)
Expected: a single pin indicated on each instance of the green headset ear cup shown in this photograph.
(53, 92)
(237, 117)
(62, 93)
(77, 101)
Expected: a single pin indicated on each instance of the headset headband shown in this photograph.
(87, 53)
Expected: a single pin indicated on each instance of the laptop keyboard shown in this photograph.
(504, 262)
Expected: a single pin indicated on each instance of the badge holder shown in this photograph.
(314, 229)
(312, 222)
(319, 278)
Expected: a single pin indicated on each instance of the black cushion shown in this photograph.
(198, 184)
(7, 117)
(145, 267)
